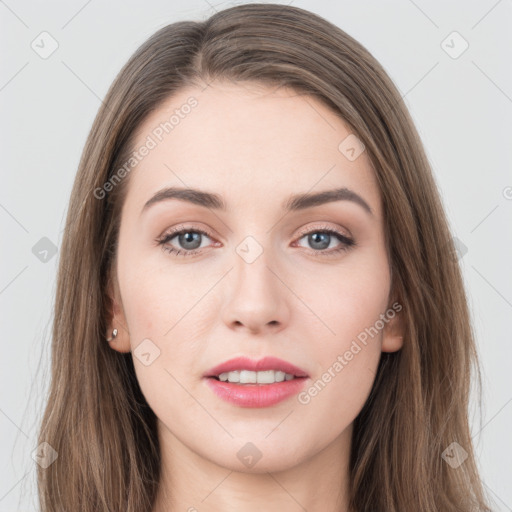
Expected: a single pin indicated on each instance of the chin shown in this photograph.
(252, 458)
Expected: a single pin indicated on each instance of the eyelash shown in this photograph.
(347, 243)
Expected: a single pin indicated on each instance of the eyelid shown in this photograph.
(326, 227)
(184, 227)
(304, 231)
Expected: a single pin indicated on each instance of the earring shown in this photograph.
(114, 334)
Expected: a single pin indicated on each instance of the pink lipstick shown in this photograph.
(255, 383)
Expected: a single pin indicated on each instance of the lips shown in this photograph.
(260, 394)
(245, 363)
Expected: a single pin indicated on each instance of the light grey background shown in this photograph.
(462, 108)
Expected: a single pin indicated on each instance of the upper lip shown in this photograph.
(245, 363)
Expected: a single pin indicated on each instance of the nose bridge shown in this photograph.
(254, 249)
(256, 296)
(252, 262)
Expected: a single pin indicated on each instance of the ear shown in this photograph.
(116, 319)
(393, 333)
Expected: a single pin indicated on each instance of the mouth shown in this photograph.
(243, 370)
(248, 377)
(244, 382)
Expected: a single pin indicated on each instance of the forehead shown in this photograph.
(246, 140)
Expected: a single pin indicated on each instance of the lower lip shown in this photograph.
(256, 395)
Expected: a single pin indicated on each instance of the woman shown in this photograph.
(259, 304)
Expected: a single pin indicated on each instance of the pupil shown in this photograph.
(323, 245)
(188, 237)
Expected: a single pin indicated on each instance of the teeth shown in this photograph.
(280, 376)
(234, 377)
(249, 377)
(246, 377)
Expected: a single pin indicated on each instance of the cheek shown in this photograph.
(335, 398)
(161, 310)
(164, 313)
(344, 302)
(154, 299)
(164, 344)
(350, 306)
(345, 362)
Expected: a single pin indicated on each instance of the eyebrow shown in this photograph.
(293, 203)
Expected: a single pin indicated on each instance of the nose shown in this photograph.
(257, 299)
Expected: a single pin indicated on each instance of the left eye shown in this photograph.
(190, 241)
(321, 240)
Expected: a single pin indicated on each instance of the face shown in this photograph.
(255, 279)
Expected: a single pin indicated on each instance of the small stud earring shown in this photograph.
(114, 334)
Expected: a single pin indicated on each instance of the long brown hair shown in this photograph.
(96, 417)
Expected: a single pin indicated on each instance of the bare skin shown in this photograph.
(254, 146)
